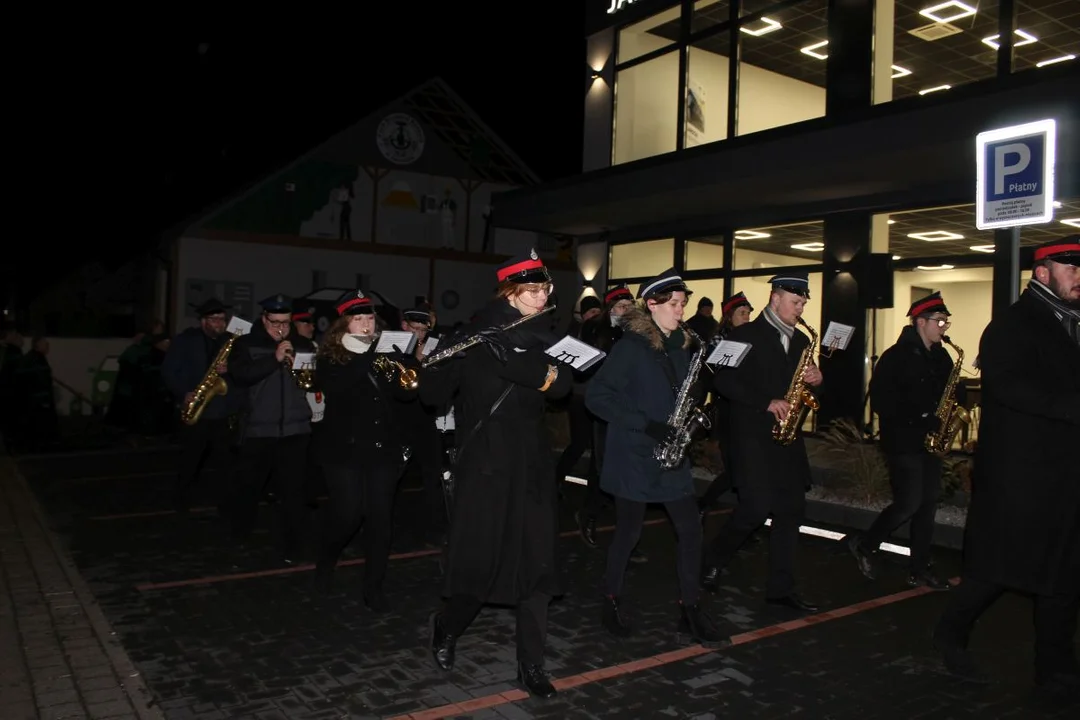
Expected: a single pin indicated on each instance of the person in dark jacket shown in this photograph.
(1023, 524)
(358, 444)
(276, 425)
(183, 368)
(905, 391)
(504, 527)
(769, 477)
(635, 392)
(703, 323)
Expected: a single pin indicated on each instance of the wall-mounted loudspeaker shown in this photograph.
(876, 281)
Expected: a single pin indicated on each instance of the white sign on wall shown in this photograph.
(400, 138)
(617, 5)
(1015, 175)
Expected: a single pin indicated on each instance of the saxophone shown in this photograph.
(950, 413)
(211, 386)
(798, 395)
(686, 417)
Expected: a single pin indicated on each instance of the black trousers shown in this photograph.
(1055, 623)
(916, 480)
(784, 498)
(207, 442)
(629, 520)
(282, 461)
(581, 438)
(532, 612)
(594, 498)
(361, 495)
(426, 444)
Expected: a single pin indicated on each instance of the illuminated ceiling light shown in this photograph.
(934, 267)
(750, 235)
(891, 221)
(809, 50)
(927, 91)
(992, 41)
(895, 257)
(770, 25)
(900, 72)
(809, 247)
(962, 11)
(1074, 222)
(935, 236)
(1055, 61)
(982, 248)
(1057, 203)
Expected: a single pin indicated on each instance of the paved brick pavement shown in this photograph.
(263, 646)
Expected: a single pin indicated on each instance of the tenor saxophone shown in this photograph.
(686, 417)
(950, 414)
(210, 387)
(798, 396)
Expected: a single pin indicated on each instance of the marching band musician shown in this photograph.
(359, 444)
(635, 392)
(734, 312)
(905, 390)
(503, 530)
(186, 363)
(275, 428)
(769, 477)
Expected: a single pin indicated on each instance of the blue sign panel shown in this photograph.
(1014, 168)
(1015, 175)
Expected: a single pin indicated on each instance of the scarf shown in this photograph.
(1067, 315)
(357, 344)
(786, 331)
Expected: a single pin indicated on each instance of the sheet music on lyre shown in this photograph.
(728, 353)
(576, 354)
(303, 361)
(430, 344)
(396, 341)
(837, 336)
(238, 326)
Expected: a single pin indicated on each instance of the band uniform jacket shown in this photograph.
(504, 527)
(362, 415)
(632, 388)
(276, 406)
(1023, 523)
(764, 375)
(906, 389)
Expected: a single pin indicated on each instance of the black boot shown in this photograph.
(695, 626)
(443, 645)
(535, 680)
(587, 529)
(612, 620)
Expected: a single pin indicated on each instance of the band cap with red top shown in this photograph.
(928, 305)
(734, 302)
(354, 302)
(1065, 250)
(302, 312)
(617, 293)
(523, 269)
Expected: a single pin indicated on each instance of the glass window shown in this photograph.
(797, 244)
(647, 108)
(641, 259)
(782, 68)
(757, 291)
(707, 91)
(709, 13)
(933, 46)
(705, 254)
(712, 289)
(649, 35)
(1045, 34)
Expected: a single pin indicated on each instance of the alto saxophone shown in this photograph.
(211, 386)
(951, 414)
(686, 418)
(798, 396)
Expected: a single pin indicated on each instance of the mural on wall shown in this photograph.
(400, 139)
(238, 295)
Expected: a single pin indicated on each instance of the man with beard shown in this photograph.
(1023, 525)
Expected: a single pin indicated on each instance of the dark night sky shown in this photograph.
(160, 130)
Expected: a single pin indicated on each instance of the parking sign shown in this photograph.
(1015, 175)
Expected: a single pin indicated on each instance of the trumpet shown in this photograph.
(406, 377)
(304, 377)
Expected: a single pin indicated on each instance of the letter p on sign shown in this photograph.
(1002, 168)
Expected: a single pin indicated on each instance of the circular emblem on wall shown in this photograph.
(323, 323)
(400, 138)
(450, 299)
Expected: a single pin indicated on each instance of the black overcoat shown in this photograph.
(504, 528)
(1023, 524)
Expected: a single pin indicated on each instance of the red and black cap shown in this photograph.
(209, 307)
(735, 302)
(524, 269)
(667, 281)
(928, 306)
(302, 312)
(419, 315)
(354, 302)
(617, 293)
(276, 304)
(797, 283)
(1065, 251)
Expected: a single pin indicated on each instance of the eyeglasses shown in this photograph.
(277, 323)
(940, 322)
(542, 289)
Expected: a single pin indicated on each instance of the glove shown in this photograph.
(528, 369)
(660, 432)
(496, 348)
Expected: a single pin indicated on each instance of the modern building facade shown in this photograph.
(729, 138)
